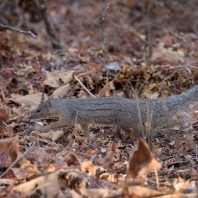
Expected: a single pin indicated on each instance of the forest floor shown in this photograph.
(133, 49)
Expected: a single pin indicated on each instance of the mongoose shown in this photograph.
(127, 114)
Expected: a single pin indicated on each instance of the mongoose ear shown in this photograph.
(49, 104)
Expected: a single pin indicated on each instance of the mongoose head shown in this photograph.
(44, 110)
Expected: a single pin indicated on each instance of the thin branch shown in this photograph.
(42, 8)
(107, 7)
(84, 87)
(17, 30)
(26, 152)
(157, 178)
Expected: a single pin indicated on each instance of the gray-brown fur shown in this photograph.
(165, 113)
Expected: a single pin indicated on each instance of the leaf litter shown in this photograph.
(138, 66)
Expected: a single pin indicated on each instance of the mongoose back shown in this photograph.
(129, 115)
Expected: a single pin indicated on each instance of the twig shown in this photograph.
(149, 114)
(20, 31)
(84, 87)
(107, 7)
(17, 160)
(157, 180)
(178, 67)
(140, 118)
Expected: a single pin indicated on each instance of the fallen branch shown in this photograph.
(42, 8)
(17, 30)
(26, 152)
(84, 87)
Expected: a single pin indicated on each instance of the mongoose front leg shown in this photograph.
(85, 128)
(56, 125)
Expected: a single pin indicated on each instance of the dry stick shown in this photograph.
(17, 160)
(140, 118)
(20, 31)
(124, 184)
(149, 114)
(84, 87)
(42, 8)
(108, 6)
(102, 32)
(178, 66)
(102, 28)
(157, 179)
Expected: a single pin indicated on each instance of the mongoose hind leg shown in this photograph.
(85, 128)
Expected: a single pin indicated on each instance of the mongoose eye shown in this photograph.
(38, 110)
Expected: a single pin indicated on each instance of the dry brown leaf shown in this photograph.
(141, 191)
(9, 152)
(72, 193)
(109, 157)
(81, 139)
(47, 185)
(73, 50)
(100, 192)
(30, 100)
(180, 184)
(38, 154)
(7, 182)
(19, 173)
(85, 58)
(75, 178)
(87, 167)
(78, 156)
(109, 177)
(105, 176)
(26, 170)
(157, 150)
(142, 161)
(4, 115)
(38, 42)
(71, 159)
(61, 92)
(164, 54)
(108, 87)
(48, 136)
(53, 78)
(57, 135)
(66, 76)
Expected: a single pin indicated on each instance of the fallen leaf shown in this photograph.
(113, 66)
(109, 157)
(161, 53)
(7, 182)
(53, 78)
(9, 152)
(88, 167)
(30, 100)
(141, 191)
(100, 192)
(48, 136)
(61, 92)
(108, 87)
(4, 115)
(57, 135)
(142, 161)
(180, 184)
(81, 139)
(71, 159)
(47, 185)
